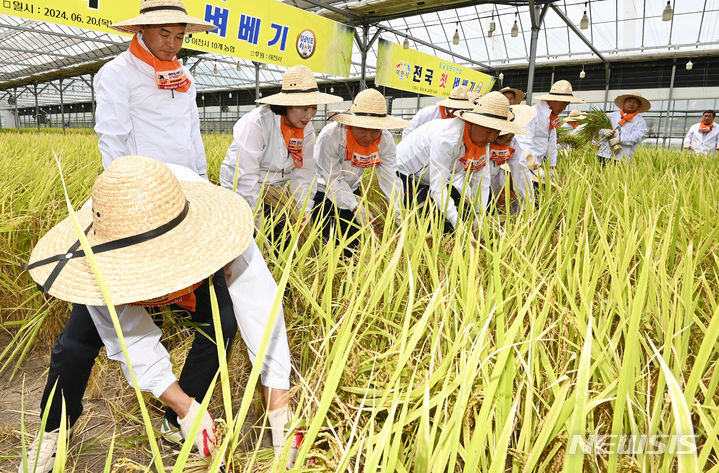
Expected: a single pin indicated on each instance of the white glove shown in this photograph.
(306, 219)
(205, 437)
(362, 215)
(604, 132)
(531, 161)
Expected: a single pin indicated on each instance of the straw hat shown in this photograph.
(518, 94)
(523, 114)
(458, 99)
(163, 12)
(492, 111)
(163, 236)
(574, 116)
(561, 91)
(299, 88)
(473, 97)
(369, 110)
(644, 103)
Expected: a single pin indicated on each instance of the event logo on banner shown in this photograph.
(411, 70)
(260, 30)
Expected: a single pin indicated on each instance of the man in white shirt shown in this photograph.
(447, 159)
(540, 142)
(628, 129)
(703, 137)
(458, 100)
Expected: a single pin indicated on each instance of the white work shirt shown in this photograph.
(422, 116)
(540, 140)
(630, 135)
(133, 116)
(264, 159)
(338, 178)
(433, 154)
(702, 143)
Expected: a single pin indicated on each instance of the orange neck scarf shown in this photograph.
(573, 124)
(500, 154)
(168, 74)
(553, 121)
(626, 117)
(362, 156)
(473, 158)
(705, 128)
(443, 112)
(185, 298)
(294, 139)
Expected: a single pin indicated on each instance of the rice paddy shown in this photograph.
(594, 315)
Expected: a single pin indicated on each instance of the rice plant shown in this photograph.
(595, 314)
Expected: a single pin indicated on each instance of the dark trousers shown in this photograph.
(77, 347)
(415, 193)
(341, 221)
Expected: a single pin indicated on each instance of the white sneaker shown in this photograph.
(41, 458)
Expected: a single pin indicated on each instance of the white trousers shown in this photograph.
(252, 290)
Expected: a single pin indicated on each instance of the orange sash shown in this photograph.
(626, 117)
(705, 128)
(294, 139)
(168, 74)
(443, 112)
(553, 121)
(185, 298)
(362, 156)
(500, 154)
(473, 158)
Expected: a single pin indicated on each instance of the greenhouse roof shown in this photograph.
(35, 51)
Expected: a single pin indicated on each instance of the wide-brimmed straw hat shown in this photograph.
(574, 116)
(473, 97)
(369, 110)
(163, 12)
(492, 111)
(458, 99)
(561, 91)
(522, 114)
(518, 94)
(299, 88)
(644, 103)
(151, 234)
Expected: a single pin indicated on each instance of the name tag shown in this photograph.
(170, 79)
(361, 161)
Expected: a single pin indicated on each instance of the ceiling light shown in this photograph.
(584, 23)
(668, 12)
(515, 30)
(260, 94)
(214, 69)
(690, 65)
(492, 27)
(229, 96)
(501, 77)
(405, 45)
(455, 38)
(238, 66)
(332, 90)
(582, 74)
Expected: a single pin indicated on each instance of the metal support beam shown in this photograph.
(37, 109)
(353, 19)
(576, 30)
(537, 13)
(62, 35)
(62, 109)
(363, 51)
(667, 126)
(437, 48)
(92, 97)
(257, 80)
(17, 117)
(607, 73)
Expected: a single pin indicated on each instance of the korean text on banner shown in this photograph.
(260, 30)
(407, 69)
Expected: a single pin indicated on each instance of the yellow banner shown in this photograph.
(407, 69)
(260, 30)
